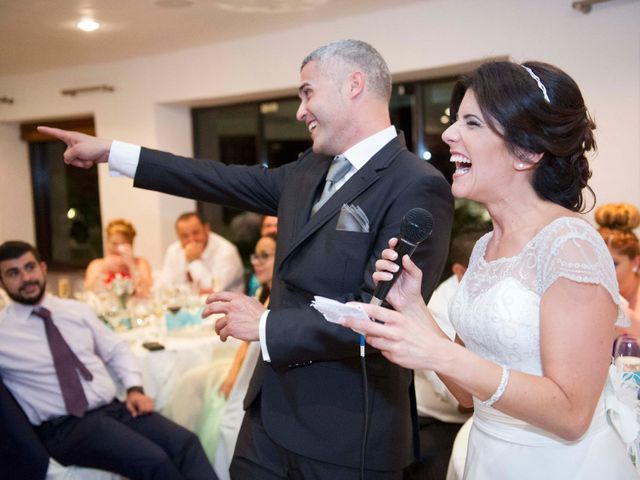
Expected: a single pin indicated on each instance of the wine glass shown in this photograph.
(142, 311)
(172, 299)
(627, 356)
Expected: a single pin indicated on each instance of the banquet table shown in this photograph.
(184, 349)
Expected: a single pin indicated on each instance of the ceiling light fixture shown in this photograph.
(88, 25)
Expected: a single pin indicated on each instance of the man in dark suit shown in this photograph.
(305, 401)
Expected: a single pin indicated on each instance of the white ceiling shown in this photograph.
(37, 35)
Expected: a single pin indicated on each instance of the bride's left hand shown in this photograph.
(404, 340)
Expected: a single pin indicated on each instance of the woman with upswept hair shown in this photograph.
(617, 221)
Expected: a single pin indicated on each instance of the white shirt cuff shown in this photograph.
(123, 159)
(263, 336)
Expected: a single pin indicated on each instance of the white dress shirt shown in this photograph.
(219, 261)
(433, 399)
(124, 157)
(26, 364)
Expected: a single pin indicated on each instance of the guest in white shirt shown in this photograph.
(439, 414)
(202, 258)
(55, 358)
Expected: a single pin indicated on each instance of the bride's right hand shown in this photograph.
(407, 290)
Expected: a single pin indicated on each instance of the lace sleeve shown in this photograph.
(578, 253)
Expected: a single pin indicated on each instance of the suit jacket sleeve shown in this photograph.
(247, 187)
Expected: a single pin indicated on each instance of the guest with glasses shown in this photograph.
(268, 228)
(222, 412)
(617, 222)
(262, 262)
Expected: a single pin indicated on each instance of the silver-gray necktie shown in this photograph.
(338, 169)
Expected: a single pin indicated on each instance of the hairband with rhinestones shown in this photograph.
(543, 89)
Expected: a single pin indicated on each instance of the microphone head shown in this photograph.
(416, 226)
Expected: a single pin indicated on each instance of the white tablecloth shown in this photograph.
(185, 349)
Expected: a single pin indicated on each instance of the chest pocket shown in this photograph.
(349, 253)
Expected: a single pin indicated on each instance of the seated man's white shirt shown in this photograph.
(220, 260)
(27, 368)
(433, 399)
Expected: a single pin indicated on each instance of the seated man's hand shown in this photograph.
(193, 251)
(138, 403)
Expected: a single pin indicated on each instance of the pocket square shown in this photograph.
(352, 219)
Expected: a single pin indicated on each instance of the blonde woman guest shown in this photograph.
(617, 222)
(119, 260)
(537, 306)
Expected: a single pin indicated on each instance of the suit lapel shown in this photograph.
(310, 184)
(358, 183)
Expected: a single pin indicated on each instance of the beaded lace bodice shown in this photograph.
(496, 308)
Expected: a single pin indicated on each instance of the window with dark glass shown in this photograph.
(66, 201)
(267, 133)
(264, 133)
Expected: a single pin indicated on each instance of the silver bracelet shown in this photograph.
(502, 386)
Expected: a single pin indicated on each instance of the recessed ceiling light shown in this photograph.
(88, 25)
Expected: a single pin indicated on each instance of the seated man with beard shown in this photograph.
(54, 355)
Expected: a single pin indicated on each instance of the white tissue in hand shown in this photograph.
(337, 312)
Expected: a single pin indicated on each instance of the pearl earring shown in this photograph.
(521, 165)
(635, 269)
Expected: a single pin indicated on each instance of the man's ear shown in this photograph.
(355, 82)
(207, 228)
(43, 267)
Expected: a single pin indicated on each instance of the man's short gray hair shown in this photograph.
(358, 54)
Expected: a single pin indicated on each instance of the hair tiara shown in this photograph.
(541, 86)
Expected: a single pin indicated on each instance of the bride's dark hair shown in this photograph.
(514, 106)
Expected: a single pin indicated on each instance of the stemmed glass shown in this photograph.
(627, 356)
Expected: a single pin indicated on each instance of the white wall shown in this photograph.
(600, 50)
(16, 198)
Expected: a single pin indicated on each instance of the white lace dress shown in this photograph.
(496, 313)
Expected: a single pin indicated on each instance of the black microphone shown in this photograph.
(416, 226)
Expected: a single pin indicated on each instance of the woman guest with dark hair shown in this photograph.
(536, 309)
(262, 261)
(119, 261)
(617, 221)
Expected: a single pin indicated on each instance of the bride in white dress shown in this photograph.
(536, 309)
